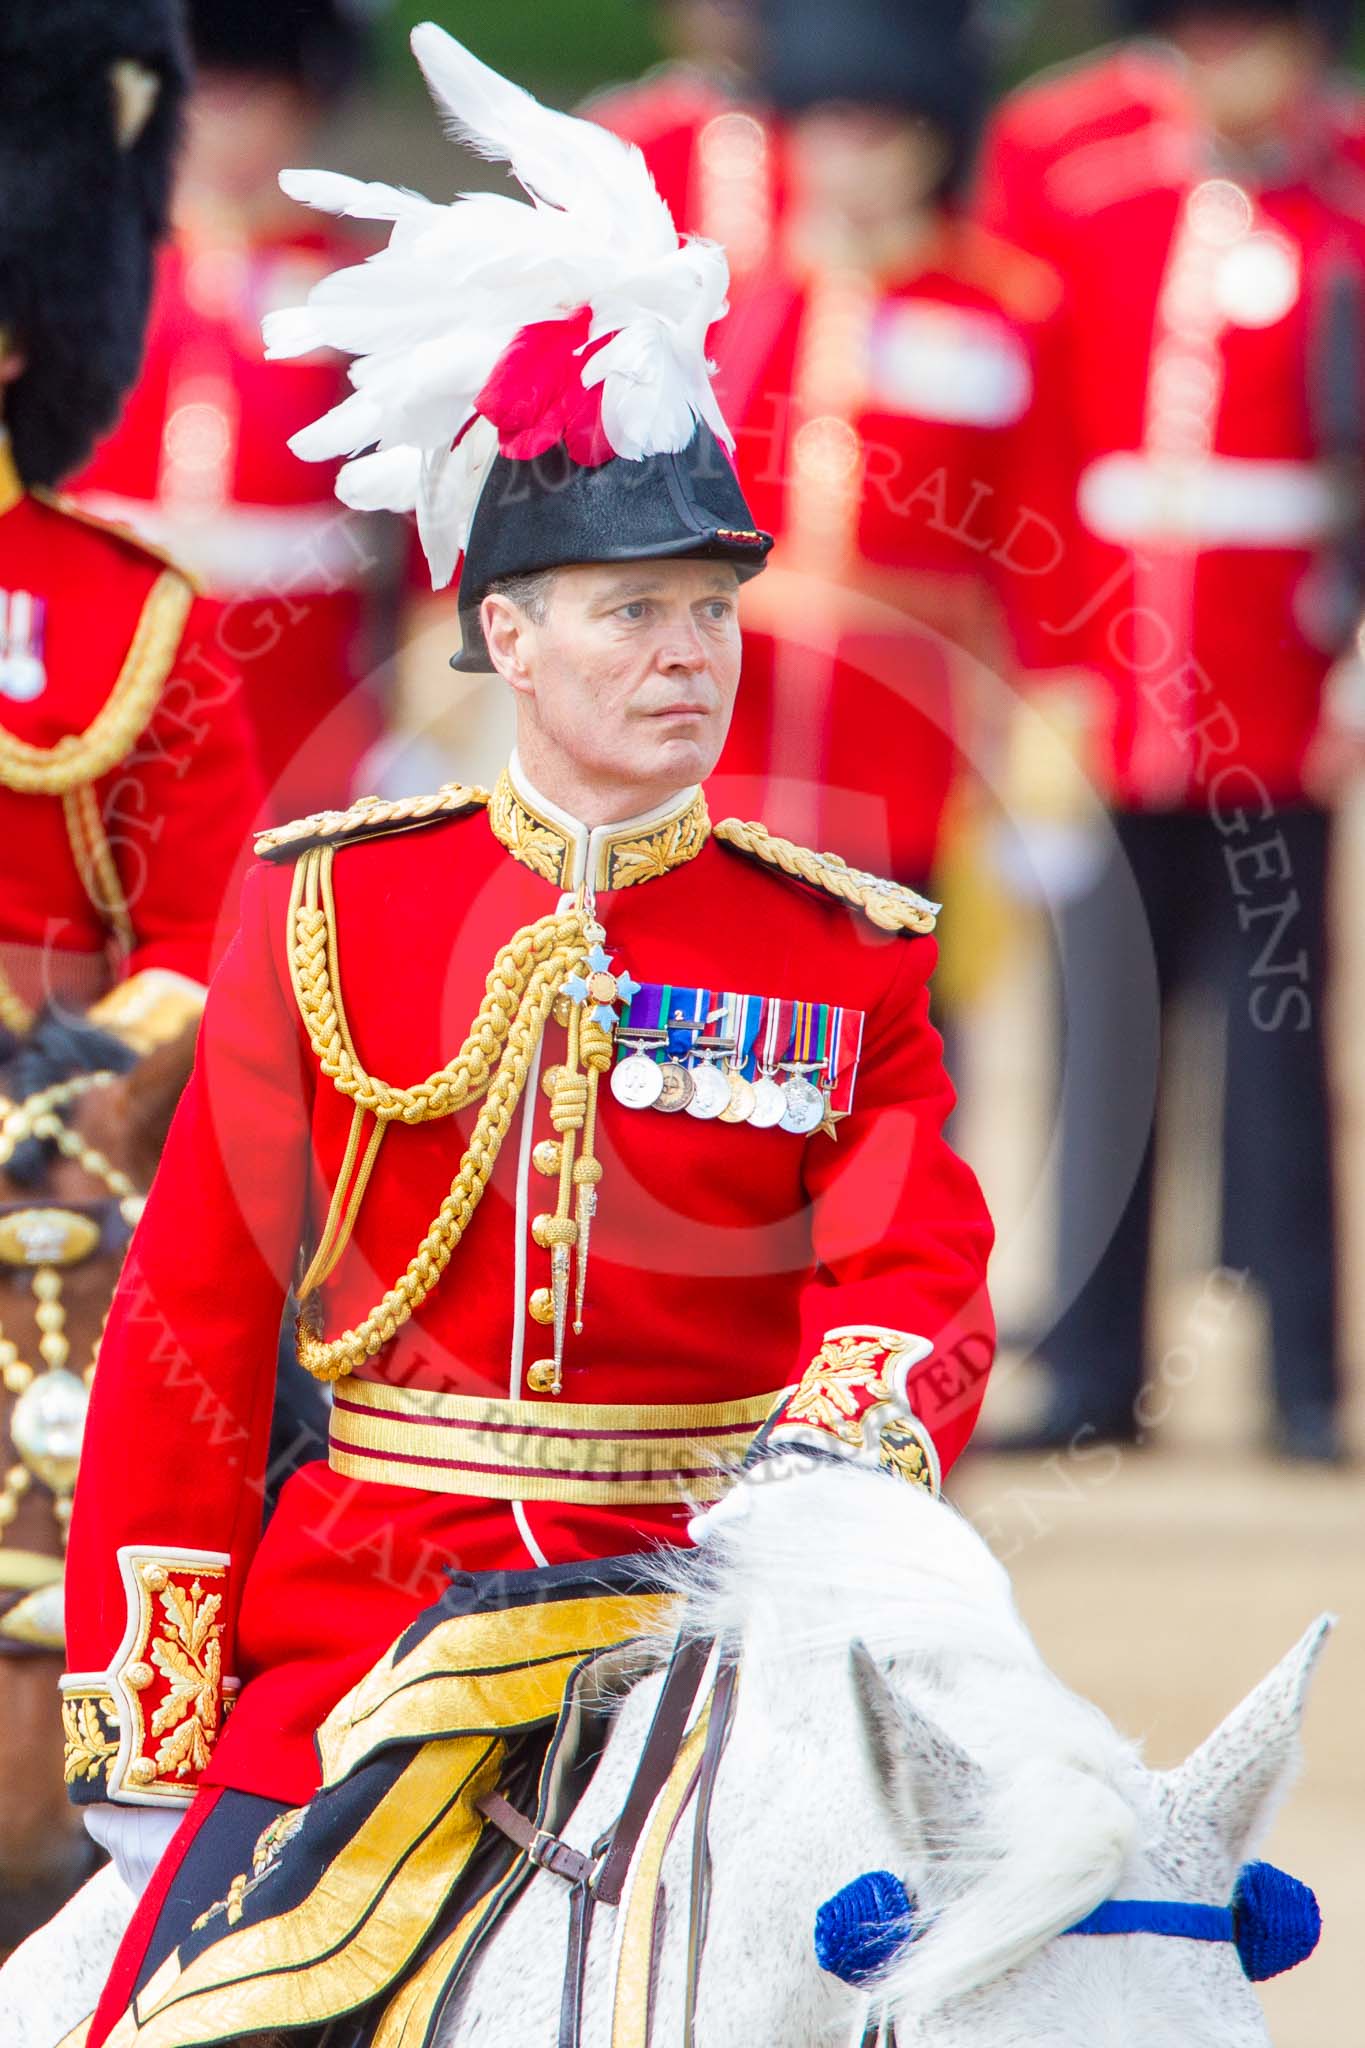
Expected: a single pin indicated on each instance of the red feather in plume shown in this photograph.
(536, 396)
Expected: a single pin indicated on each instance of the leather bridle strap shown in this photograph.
(686, 1669)
(545, 1850)
(672, 1710)
(717, 1734)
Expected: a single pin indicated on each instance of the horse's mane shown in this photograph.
(58, 1048)
(821, 1557)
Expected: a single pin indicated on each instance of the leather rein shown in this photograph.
(600, 1877)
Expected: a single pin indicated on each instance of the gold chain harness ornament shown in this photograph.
(50, 1403)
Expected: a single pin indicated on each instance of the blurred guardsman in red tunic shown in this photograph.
(695, 118)
(686, 1175)
(127, 780)
(1203, 194)
(200, 461)
(880, 370)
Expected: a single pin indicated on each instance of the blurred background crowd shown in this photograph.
(1052, 385)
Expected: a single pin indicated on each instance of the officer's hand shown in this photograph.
(134, 1838)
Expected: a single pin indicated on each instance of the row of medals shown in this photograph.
(708, 1091)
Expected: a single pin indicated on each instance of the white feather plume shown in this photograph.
(428, 317)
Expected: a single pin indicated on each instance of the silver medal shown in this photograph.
(770, 1103)
(22, 677)
(711, 1092)
(637, 1082)
(805, 1111)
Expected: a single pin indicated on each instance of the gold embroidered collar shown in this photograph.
(546, 839)
(11, 484)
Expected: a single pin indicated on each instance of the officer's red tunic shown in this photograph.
(1211, 386)
(179, 802)
(721, 1254)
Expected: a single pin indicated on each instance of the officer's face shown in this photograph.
(629, 676)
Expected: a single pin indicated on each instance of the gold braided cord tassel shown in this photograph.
(553, 942)
(95, 864)
(887, 904)
(332, 1358)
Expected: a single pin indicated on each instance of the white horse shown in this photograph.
(892, 1715)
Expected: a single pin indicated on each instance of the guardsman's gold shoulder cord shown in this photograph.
(72, 767)
(84, 757)
(492, 1065)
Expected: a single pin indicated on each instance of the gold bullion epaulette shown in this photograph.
(888, 904)
(368, 818)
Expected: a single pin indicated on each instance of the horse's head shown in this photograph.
(1178, 1921)
(1019, 1878)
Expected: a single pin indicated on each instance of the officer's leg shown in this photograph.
(1278, 1210)
(1116, 947)
(193, 1876)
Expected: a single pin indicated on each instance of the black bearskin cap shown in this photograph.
(553, 512)
(81, 210)
(319, 45)
(925, 57)
(1335, 19)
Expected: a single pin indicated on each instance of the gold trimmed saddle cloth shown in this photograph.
(368, 1902)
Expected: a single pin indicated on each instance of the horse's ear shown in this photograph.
(1229, 1788)
(933, 1787)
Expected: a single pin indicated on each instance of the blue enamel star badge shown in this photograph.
(601, 987)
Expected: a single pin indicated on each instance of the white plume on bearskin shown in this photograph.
(430, 318)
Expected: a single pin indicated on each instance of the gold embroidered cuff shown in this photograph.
(143, 1731)
(852, 1400)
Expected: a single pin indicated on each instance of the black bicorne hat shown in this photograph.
(1335, 19)
(90, 100)
(927, 57)
(532, 382)
(317, 44)
(553, 511)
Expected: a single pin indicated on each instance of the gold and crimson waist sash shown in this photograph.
(585, 1453)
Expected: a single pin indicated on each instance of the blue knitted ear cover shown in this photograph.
(1275, 1919)
(864, 1927)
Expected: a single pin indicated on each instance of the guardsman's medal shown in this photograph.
(677, 1086)
(740, 1027)
(805, 1106)
(22, 619)
(770, 1103)
(742, 1098)
(710, 1092)
(637, 1081)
